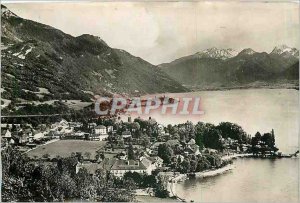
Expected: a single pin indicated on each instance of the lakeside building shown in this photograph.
(118, 167)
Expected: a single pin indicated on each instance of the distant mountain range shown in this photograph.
(42, 63)
(225, 68)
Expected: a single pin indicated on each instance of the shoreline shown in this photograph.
(210, 173)
(171, 187)
(235, 156)
(193, 90)
(245, 87)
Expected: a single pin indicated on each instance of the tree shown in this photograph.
(212, 137)
(161, 188)
(145, 141)
(257, 135)
(136, 177)
(131, 154)
(203, 164)
(268, 139)
(232, 130)
(85, 186)
(165, 152)
(199, 132)
(193, 164)
(185, 166)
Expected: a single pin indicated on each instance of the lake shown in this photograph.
(252, 180)
(253, 109)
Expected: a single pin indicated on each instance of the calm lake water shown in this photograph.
(253, 180)
(253, 109)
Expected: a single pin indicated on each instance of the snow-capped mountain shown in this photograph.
(220, 67)
(285, 51)
(217, 53)
(247, 51)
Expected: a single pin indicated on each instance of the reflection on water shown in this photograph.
(253, 180)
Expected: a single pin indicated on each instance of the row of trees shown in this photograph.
(210, 136)
(25, 180)
(199, 163)
(191, 163)
(206, 134)
(263, 143)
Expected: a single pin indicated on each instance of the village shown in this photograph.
(106, 141)
(124, 148)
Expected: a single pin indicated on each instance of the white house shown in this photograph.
(63, 123)
(100, 129)
(144, 165)
(101, 132)
(5, 134)
(126, 134)
(120, 167)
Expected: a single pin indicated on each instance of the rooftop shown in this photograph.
(128, 165)
(100, 127)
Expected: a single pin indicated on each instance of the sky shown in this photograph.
(160, 32)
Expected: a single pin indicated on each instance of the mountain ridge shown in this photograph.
(247, 66)
(36, 56)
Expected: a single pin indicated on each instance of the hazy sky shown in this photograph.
(161, 32)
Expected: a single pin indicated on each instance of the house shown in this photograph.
(5, 133)
(161, 128)
(91, 125)
(63, 123)
(7, 137)
(157, 161)
(79, 135)
(110, 129)
(20, 137)
(120, 167)
(151, 163)
(75, 124)
(192, 148)
(126, 134)
(68, 130)
(93, 137)
(53, 134)
(38, 135)
(100, 129)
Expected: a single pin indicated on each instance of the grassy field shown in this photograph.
(64, 148)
